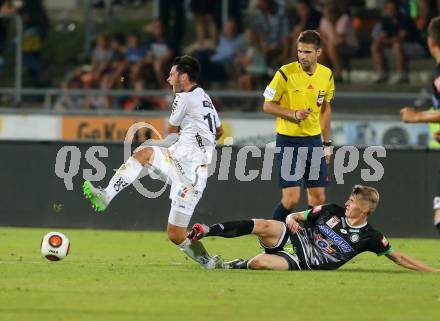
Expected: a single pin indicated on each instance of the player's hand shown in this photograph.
(437, 136)
(302, 114)
(408, 114)
(292, 224)
(328, 151)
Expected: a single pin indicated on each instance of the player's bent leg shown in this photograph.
(268, 262)
(316, 195)
(177, 232)
(269, 232)
(144, 155)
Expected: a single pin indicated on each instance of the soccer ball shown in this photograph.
(55, 246)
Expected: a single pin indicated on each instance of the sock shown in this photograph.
(195, 250)
(124, 176)
(436, 202)
(231, 229)
(242, 265)
(280, 213)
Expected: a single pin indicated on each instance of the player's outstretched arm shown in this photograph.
(410, 115)
(409, 263)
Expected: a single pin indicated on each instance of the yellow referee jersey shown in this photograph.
(293, 88)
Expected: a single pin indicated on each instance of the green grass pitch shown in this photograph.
(119, 275)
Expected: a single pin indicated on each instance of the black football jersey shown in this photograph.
(327, 241)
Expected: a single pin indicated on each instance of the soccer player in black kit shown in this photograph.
(322, 238)
(410, 115)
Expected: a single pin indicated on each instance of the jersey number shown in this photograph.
(209, 119)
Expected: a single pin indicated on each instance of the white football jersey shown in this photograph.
(198, 120)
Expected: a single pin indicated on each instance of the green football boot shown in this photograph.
(96, 196)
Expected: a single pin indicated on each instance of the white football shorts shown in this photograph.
(185, 193)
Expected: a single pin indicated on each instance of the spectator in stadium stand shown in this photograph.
(5, 8)
(299, 96)
(173, 11)
(159, 53)
(338, 36)
(102, 56)
(135, 55)
(324, 237)
(35, 30)
(218, 63)
(410, 115)
(428, 10)
(204, 12)
(252, 67)
(112, 78)
(397, 31)
(307, 17)
(271, 26)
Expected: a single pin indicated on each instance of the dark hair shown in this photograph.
(188, 65)
(434, 30)
(310, 37)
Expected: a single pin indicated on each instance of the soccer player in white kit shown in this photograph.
(193, 128)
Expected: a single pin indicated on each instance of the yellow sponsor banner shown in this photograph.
(110, 128)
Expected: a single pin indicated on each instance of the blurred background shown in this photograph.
(112, 57)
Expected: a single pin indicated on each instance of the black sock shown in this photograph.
(231, 229)
(242, 265)
(438, 226)
(280, 213)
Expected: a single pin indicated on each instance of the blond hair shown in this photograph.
(368, 194)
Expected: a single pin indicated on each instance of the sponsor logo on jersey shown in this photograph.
(182, 192)
(337, 240)
(207, 104)
(353, 230)
(384, 241)
(269, 93)
(354, 238)
(199, 140)
(323, 244)
(333, 221)
(179, 166)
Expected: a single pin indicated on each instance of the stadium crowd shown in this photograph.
(244, 51)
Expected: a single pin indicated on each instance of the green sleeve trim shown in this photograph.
(386, 252)
(306, 214)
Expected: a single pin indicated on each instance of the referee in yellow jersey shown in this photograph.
(299, 97)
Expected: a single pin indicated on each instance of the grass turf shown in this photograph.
(120, 275)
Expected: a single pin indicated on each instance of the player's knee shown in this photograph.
(261, 227)
(289, 202)
(176, 236)
(316, 200)
(144, 155)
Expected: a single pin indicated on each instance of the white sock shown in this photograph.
(436, 202)
(195, 250)
(124, 176)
